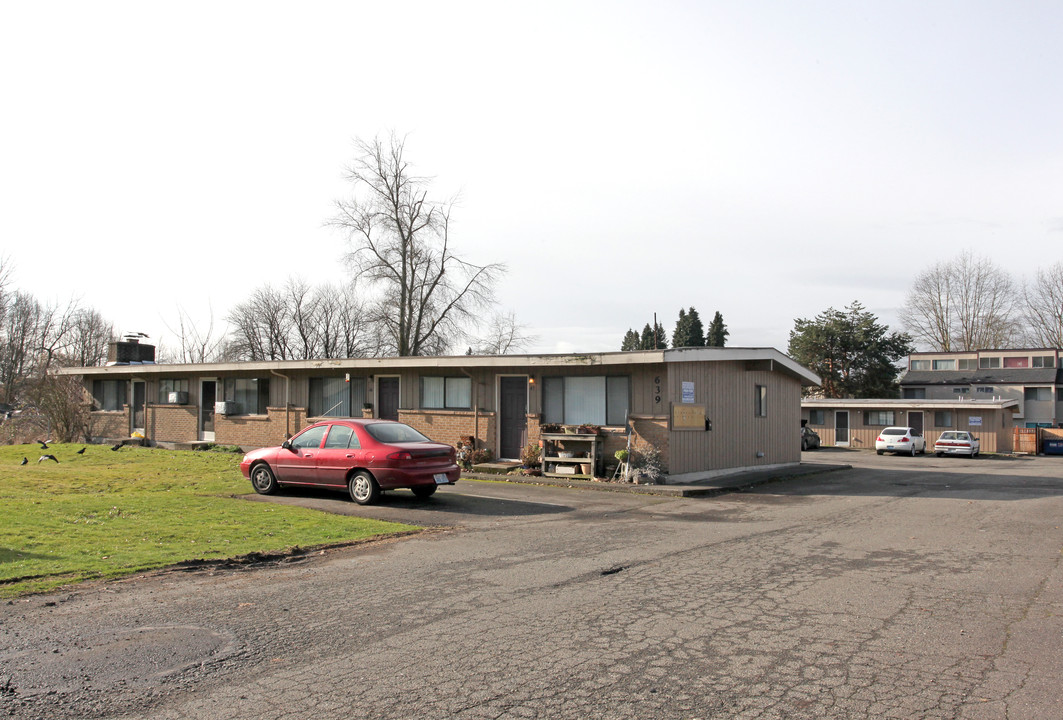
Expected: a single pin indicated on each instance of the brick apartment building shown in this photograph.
(707, 410)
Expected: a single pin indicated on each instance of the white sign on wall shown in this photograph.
(974, 420)
(688, 392)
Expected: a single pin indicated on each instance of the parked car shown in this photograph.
(957, 442)
(900, 440)
(363, 457)
(809, 438)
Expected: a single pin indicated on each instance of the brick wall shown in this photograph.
(109, 424)
(258, 430)
(447, 426)
(650, 431)
(173, 423)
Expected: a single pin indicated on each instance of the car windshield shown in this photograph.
(953, 436)
(394, 433)
(895, 431)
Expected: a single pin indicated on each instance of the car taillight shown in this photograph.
(879, 439)
(400, 455)
(904, 439)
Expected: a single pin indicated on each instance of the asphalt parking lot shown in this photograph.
(902, 587)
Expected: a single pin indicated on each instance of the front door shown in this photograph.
(139, 398)
(915, 420)
(513, 416)
(388, 398)
(208, 393)
(841, 428)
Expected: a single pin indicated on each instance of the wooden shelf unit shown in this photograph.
(553, 443)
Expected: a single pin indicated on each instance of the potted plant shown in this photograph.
(367, 410)
(550, 428)
(588, 429)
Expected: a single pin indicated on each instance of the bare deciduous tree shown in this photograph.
(504, 335)
(400, 239)
(89, 335)
(1043, 308)
(962, 305)
(195, 343)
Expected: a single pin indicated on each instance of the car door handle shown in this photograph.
(350, 455)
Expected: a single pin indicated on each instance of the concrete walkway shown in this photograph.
(701, 488)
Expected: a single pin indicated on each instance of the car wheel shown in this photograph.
(940, 454)
(424, 491)
(804, 445)
(913, 449)
(974, 454)
(363, 488)
(262, 479)
(880, 451)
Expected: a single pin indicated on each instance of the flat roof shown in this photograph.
(606, 359)
(861, 403)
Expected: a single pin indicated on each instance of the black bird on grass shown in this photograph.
(24, 461)
(80, 452)
(44, 445)
(46, 457)
(116, 446)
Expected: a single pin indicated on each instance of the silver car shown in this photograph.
(957, 442)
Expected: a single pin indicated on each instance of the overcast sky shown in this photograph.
(765, 159)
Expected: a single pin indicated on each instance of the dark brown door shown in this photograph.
(513, 416)
(388, 400)
(139, 403)
(915, 420)
(208, 394)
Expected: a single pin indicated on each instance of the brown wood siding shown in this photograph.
(994, 434)
(727, 390)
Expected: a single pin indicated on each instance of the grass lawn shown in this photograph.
(104, 514)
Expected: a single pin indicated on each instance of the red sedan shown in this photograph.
(364, 457)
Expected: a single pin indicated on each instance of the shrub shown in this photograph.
(530, 455)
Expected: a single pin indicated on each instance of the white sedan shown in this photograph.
(957, 442)
(900, 440)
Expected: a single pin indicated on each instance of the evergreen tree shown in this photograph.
(689, 331)
(850, 351)
(716, 335)
(648, 342)
(631, 341)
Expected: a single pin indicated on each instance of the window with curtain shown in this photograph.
(446, 393)
(329, 397)
(250, 394)
(169, 385)
(878, 417)
(109, 394)
(586, 399)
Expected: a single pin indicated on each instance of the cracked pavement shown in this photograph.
(902, 588)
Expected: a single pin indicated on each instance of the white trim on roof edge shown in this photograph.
(637, 357)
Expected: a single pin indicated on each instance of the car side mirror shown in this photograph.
(287, 445)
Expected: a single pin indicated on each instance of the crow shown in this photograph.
(116, 446)
(24, 461)
(81, 451)
(46, 457)
(44, 445)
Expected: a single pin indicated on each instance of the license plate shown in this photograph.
(889, 447)
(441, 478)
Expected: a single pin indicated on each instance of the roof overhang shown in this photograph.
(868, 403)
(778, 361)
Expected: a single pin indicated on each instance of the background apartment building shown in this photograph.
(1032, 377)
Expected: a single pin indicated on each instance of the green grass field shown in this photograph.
(105, 514)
